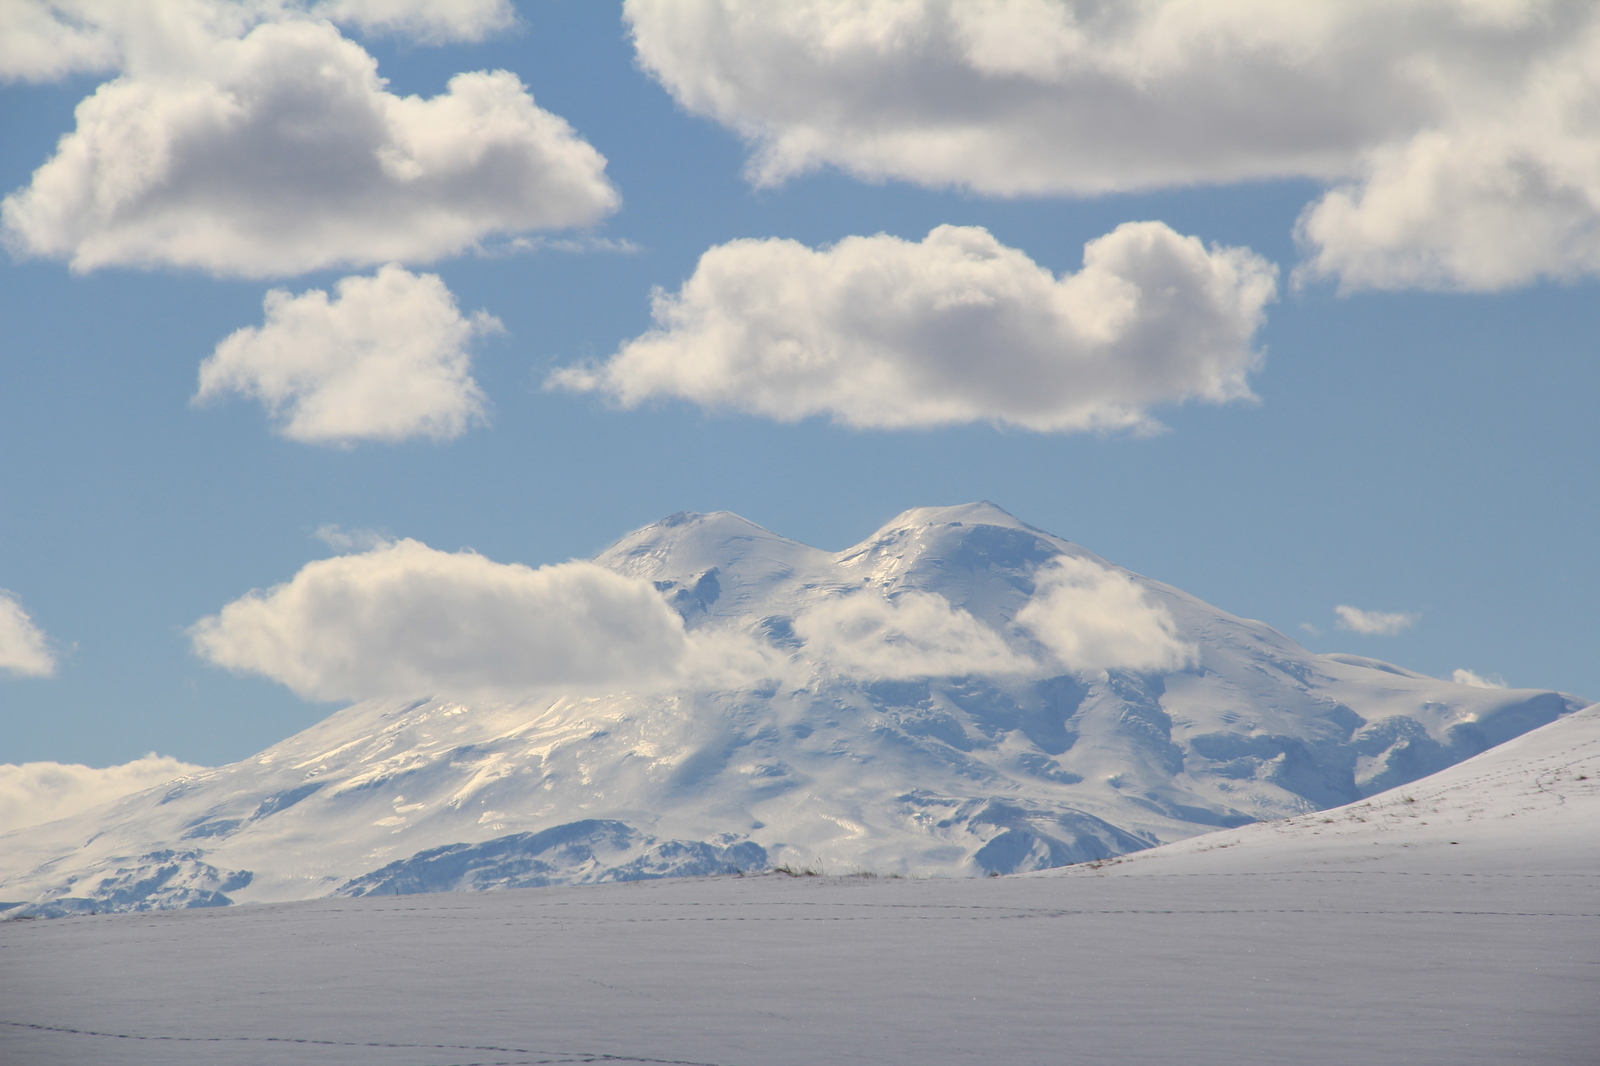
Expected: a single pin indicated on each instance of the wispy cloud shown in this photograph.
(427, 21)
(1467, 677)
(573, 245)
(348, 540)
(24, 651)
(1374, 623)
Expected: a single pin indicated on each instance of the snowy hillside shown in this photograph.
(1447, 923)
(1529, 808)
(958, 694)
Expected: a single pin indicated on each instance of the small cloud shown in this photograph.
(1374, 623)
(1311, 629)
(1467, 677)
(24, 652)
(426, 21)
(577, 245)
(351, 540)
(385, 359)
(38, 792)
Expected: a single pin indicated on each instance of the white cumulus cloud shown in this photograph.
(1094, 618)
(38, 792)
(45, 40)
(883, 332)
(281, 152)
(405, 619)
(916, 634)
(1374, 623)
(1457, 135)
(24, 652)
(385, 359)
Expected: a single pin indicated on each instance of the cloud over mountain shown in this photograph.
(1095, 618)
(385, 359)
(24, 652)
(888, 333)
(281, 152)
(38, 792)
(406, 620)
(917, 634)
(1457, 136)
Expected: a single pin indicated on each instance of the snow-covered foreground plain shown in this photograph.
(1455, 920)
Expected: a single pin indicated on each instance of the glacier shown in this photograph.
(901, 707)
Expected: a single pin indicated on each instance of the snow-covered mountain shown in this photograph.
(960, 693)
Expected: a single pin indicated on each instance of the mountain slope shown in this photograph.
(1529, 807)
(960, 693)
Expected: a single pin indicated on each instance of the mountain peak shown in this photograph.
(976, 555)
(683, 548)
(982, 513)
(686, 538)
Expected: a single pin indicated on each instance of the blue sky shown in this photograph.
(1425, 452)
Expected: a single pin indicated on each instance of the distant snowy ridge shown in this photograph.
(1528, 807)
(958, 694)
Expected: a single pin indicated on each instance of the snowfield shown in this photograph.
(1452, 921)
(958, 694)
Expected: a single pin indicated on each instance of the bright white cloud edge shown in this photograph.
(386, 359)
(37, 792)
(882, 332)
(1458, 135)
